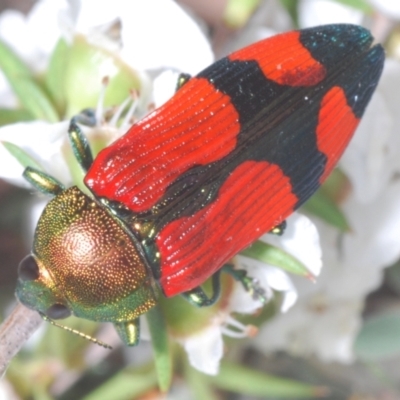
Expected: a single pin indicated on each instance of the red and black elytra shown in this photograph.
(237, 149)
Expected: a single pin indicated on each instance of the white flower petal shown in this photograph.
(26, 36)
(301, 240)
(164, 87)
(155, 33)
(41, 140)
(269, 277)
(389, 7)
(205, 349)
(314, 327)
(372, 157)
(322, 12)
(6, 390)
(269, 19)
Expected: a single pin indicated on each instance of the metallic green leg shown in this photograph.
(250, 284)
(129, 331)
(42, 182)
(182, 79)
(79, 142)
(197, 296)
(279, 229)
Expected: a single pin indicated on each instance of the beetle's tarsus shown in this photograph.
(251, 285)
(85, 117)
(279, 229)
(80, 144)
(182, 79)
(129, 331)
(198, 297)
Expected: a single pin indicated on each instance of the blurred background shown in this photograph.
(372, 379)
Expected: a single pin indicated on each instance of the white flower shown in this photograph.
(389, 7)
(372, 157)
(322, 12)
(269, 19)
(150, 39)
(205, 348)
(41, 140)
(155, 33)
(327, 316)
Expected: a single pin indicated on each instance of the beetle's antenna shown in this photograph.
(75, 332)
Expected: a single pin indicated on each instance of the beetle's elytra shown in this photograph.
(234, 152)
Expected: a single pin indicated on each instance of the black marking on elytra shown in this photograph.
(277, 122)
(274, 128)
(361, 65)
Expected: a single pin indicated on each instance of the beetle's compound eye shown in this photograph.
(58, 311)
(28, 269)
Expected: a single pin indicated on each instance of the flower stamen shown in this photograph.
(100, 102)
(239, 330)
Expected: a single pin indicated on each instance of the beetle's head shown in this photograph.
(84, 262)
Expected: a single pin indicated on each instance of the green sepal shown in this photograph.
(243, 380)
(10, 116)
(272, 255)
(161, 347)
(31, 96)
(183, 319)
(25, 159)
(55, 75)
(87, 66)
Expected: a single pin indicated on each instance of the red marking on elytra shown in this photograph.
(256, 197)
(335, 115)
(284, 60)
(197, 127)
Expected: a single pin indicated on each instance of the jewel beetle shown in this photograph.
(233, 153)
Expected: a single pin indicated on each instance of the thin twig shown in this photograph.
(15, 331)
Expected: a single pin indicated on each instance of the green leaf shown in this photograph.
(292, 9)
(29, 93)
(238, 12)
(162, 353)
(244, 380)
(273, 255)
(199, 384)
(25, 159)
(125, 385)
(322, 206)
(10, 116)
(361, 5)
(55, 75)
(379, 337)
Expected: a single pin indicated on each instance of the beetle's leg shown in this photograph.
(129, 331)
(79, 142)
(279, 229)
(182, 79)
(198, 297)
(85, 117)
(250, 284)
(43, 182)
